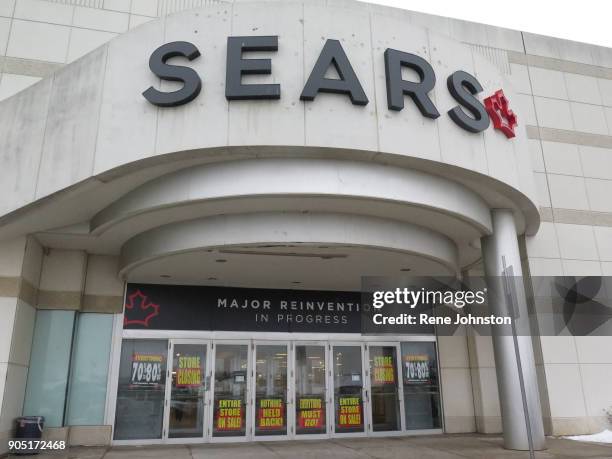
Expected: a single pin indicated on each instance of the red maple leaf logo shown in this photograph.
(145, 305)
(503, 117)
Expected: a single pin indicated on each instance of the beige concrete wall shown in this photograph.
(484, 384)
(20, 262)
(32, 277)
(103, 288)
(74, 280)
(567, 92)
(62, 279)
(90, 435)
(38, 36)
(456, 384)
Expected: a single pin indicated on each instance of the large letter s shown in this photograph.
(192, 84)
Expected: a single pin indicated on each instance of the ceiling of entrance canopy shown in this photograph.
(307, 186)
(292, 266)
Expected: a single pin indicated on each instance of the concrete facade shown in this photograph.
(99, 187)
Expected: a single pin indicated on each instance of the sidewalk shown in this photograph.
(429, 447)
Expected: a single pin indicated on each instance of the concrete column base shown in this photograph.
(90, 435)
(55, 433)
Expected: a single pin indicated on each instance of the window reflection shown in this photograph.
(140, 395)
(310, 391)
(421, 387)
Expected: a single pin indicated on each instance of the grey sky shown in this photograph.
(585, 20)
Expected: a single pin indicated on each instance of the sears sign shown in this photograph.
(470, 114)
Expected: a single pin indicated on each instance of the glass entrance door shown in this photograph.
(385, 415)
(271, 390)
(230, 390)
(311, 394)
(181, 391)
(188, 390)
(349, 391)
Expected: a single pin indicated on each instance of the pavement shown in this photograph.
(476, 446)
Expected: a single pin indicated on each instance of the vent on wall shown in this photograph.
(165, 7)
(498, 57)
(86, 3)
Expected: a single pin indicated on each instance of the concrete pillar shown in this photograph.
(20, 262)
(62, 280)
(103, 289)
(456, 384)
(484, 384)
(502, 246)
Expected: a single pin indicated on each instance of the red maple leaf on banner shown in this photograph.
(145, 305)
(502, 116)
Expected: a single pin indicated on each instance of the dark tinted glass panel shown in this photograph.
(188, 387)
(271, 390)
(421, 386)
(141, 390)
(383, 381)
(348, 389)
(310, 391)
(229, 412)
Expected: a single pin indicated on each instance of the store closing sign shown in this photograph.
(470, 115)
(189, 371)
(383, 371)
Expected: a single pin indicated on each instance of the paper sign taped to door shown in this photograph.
(228, 414)
(271, 413)
(349, 412)
(189, 371)
(383, 371)
(310, 413)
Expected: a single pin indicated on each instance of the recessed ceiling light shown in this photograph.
(221, 260)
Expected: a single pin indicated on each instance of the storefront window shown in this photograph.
(88, 379)
(421, 386)
(140, 394)
(49, 366)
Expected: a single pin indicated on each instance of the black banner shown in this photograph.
(183, 307)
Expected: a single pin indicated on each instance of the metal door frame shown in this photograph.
(207, 392)
(289, 400)
(225, 337)
(116, 363)
(328, 394)
(398, 388)
(248, 433)
(364, 392)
